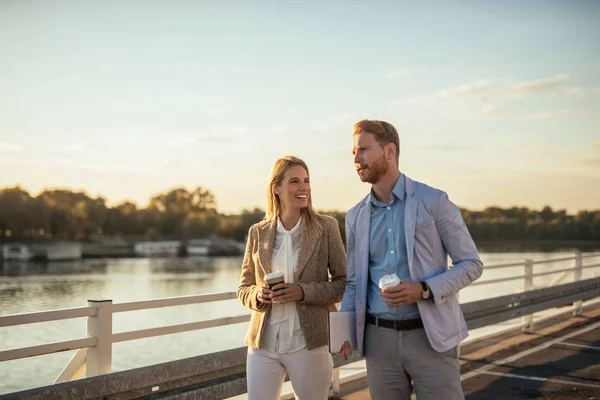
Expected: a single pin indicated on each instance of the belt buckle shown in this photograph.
(395, 325)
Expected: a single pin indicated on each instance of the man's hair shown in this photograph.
(384, 133)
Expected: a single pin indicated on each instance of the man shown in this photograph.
(409, 333)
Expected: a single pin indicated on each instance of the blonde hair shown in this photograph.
(275, 179)
(384, 133)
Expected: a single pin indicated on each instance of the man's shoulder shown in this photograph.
(426, 192)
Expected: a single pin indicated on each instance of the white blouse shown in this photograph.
(283, 333)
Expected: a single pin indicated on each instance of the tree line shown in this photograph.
(182, 214)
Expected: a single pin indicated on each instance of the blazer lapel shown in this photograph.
(266, 242)
(410, 219)
(308, 242)
(362, 241)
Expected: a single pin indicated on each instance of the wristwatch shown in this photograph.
(425, 293)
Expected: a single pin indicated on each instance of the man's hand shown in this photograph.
(346, 350)
(287, 292)
(407, 292)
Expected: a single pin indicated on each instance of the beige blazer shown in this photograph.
(321, 251)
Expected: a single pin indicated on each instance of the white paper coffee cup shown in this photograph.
(389, 281)
(274, 278)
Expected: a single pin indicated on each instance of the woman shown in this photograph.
(288, 328)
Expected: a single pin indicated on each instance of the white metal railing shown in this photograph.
(94, 352)
(529, 274)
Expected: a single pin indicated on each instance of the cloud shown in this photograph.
(112, 167)
(576, 91)
(551, 113)
(486, 98)
(331, 123)
(591, 161)
(192, 139)
(10, 147)
(491, 109)
(451, 146)
(394, 73)
(81, 146)
(539, 85)
(483, 89)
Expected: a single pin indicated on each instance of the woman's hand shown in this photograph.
(264, 294)
(346, 350)
(287, 292)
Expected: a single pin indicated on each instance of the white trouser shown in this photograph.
(309, 371)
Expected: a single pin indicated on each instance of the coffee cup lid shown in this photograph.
(274, 275)
(389, 281)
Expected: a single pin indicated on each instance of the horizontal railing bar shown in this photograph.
(558, 271)
(491, 305)
(507, 265)
(489, 281)
(510, 313)
(590, 255)
(172, 301)
(48, 348)
(45, 316)
(551, 260)
(167, 330)
(591, 266)
(141, 382)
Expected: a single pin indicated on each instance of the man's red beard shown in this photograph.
(373, 173)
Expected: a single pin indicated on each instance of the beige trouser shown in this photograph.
(395, 358)
(309, 371)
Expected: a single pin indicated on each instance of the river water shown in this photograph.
(30, 287)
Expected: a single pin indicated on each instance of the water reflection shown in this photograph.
(29, 268)
(29, 287)
(182, 265)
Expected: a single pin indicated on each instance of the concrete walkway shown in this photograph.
(558, 362)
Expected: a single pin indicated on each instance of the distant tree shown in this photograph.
(182, 214)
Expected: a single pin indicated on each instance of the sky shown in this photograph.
(495, 102)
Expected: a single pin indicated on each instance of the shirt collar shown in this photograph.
(281, 228)
(398, 192)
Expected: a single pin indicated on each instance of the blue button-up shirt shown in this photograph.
(387, 252)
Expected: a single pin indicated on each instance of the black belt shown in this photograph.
(399, 325)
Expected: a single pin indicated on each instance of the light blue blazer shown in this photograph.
(434, 229)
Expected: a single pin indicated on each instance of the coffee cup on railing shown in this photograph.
(273, 279)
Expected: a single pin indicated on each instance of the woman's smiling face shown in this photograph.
(294, 190)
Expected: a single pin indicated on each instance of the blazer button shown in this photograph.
(303, 307)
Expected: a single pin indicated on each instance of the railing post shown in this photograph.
(578, 305)
(528, 325)
(99, 358)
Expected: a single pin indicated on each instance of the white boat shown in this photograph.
(63, 251)
(16, 252)
(198, 247)
(157, 249)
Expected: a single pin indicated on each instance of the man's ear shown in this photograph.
(391, 150)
